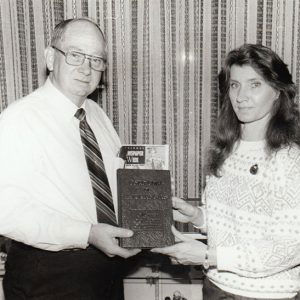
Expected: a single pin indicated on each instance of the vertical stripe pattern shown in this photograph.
(96, 168)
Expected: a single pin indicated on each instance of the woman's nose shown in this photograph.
(242, 95)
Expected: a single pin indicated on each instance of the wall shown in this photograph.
(164, 56)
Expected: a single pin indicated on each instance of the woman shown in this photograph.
(252, 194)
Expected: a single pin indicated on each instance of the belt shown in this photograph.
(79, 249)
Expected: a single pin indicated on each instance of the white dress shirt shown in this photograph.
(46, 197)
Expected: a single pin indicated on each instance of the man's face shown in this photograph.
(77, 82)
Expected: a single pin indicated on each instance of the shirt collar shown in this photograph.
(60, 103)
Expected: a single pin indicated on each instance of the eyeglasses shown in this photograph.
(75, 58)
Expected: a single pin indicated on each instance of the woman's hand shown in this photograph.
(186, 252)
(184, 212)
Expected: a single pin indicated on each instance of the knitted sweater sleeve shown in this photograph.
(278, 248)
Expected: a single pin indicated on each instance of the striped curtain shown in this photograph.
(164, 57)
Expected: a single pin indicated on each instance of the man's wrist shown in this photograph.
(91, 235)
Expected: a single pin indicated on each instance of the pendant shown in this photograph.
(254, 169)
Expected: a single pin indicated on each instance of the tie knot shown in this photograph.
(80, 114)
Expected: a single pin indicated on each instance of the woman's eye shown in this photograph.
(233, 85)
(255, 84)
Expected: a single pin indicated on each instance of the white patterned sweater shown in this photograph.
(254, 222)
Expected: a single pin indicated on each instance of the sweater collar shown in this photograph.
(243, 145)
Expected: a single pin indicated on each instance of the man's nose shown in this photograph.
(86, 66)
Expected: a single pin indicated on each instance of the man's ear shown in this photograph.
(49, 58)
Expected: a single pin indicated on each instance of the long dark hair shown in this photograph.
(284, 126)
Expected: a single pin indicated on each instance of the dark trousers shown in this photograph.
(88, 274)
(212, 292)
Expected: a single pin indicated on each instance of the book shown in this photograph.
(145, 207)
(142, 156)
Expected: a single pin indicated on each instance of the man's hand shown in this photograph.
(104, 237)
(185, 212)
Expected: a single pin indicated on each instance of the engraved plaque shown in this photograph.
(145, 207)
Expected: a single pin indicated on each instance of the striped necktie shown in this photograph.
(96, 168)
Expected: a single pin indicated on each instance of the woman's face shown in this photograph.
(252, 99)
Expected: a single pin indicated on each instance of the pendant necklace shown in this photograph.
(254, 169)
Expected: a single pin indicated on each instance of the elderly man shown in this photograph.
(58, 158)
